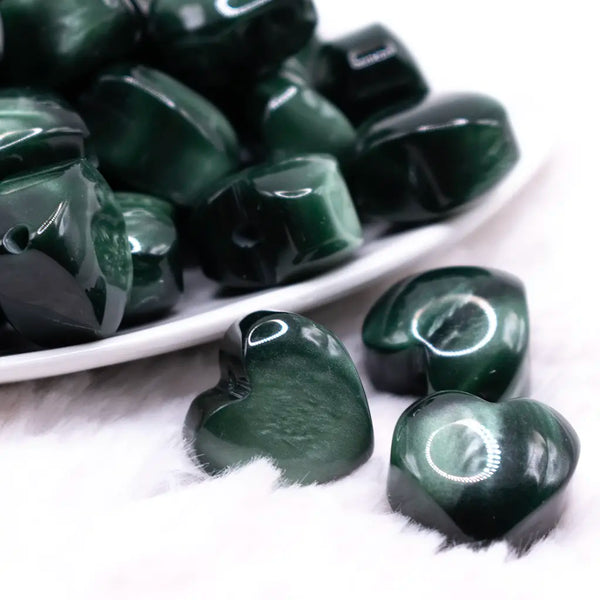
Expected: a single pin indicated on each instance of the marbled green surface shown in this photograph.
(212, 42)
(479, 471)
(277, 222)
(53, 42)
(456, 328)
(156, 136)
(288, 391)
(65, 265)
(157, 267)
(37, 129)
(292, 118)
(433, 160)
(368, 70)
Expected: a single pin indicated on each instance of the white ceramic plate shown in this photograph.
(202, 316)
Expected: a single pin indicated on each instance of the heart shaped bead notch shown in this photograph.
(457, 328)
(478, 471)
(289, 391)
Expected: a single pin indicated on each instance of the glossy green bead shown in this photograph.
(157, 268)
(213, 42)
(53, 42)
(368, 70)
(289, 391)
(457, 328)
(37, 129)
(277, 222)
(478, 471)
(156, 136)
(430, 162)
(292, 119)
(65, 265)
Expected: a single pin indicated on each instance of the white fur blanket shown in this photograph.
(97, 497)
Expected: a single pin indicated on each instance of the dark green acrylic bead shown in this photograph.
(457, 328)
(289, 391)
(156, 136)
(157, 269)
(212, 42)
(366, 71)
(277, 222)
(431, 161)
(65, 265)
(478, 471)
(292, 119)
(37, 129)
(53, 42)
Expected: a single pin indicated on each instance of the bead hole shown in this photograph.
(16, 240)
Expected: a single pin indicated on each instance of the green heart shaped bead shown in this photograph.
(37, 129)
(289, 391)
(213, 42)
(431, 161)
(366, 71)
(157, 268)
(53, 42)
(457, 328)
(294, 119)
(156, 136)
(65, 265)
(478, 471)
(277, 222)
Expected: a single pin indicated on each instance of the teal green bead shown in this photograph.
(37, 129)
(367, 71)
(433, 160)
(277, 222)
(214, 42)
(157, 268)
(292, 119)
(54, 42)
(289, 391)
(65, 265)
(478, 471)
(457, 328)
(155, 136)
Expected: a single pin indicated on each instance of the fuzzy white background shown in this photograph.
(98, 500)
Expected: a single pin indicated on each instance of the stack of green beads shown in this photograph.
(143, 97)
(231, 124)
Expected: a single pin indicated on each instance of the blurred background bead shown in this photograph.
(431, 161)
(53, 42)
(154, 135)
(366, 71)
(157, 268)
(212, 42)
(37, 129)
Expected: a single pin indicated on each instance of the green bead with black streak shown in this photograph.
(478, 471)
(433, 160)
(37, 129)
(157, 268)
(292, 119)
(156, 136)
(289, 391)
(214, 42)
(367, 71)
(65, 265)
(54, 42)
(457, 328)
(277, 222)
